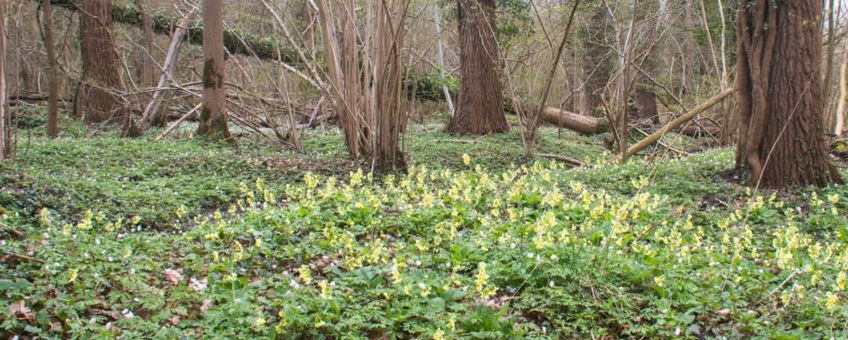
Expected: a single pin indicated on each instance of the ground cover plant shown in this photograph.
(535, 250)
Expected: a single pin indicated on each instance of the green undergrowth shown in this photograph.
(153, 179)
(474, 241)
(536, 252)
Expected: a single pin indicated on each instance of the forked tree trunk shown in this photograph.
(480, 108)
(52, 74)
(780, 95)
(96, 99)
(213, 116)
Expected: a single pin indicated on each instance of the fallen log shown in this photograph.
(586, 125)
(698, 131)
(243, 43)
(236, 42)
(657, 135)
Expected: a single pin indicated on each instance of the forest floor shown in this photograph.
(106, 236)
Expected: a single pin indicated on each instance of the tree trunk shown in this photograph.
(597, 65)
(780, 94)
(96, 99)
(480, 108)
(213, 116)
(5, 119)
(839, 115)
(146, 64)
(152, 114)
(52, 73)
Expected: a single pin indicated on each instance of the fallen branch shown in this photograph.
(178, 122)
(564, 159)
(657, 135)
(154, 108)
(24, 257)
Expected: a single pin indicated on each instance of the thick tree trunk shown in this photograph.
(213, 116)
(96, 99)
(480, 109)
(52, 73)
(780, 95)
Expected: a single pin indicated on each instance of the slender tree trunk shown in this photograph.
(440, 55)
(147, 66)
(5, 119)
(782, 140)
(480, 108)
(839, 128)
(96, 99)
(597, 65)
(52, 73)
(213, 116)
(153, 110)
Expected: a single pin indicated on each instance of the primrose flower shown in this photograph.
(466, 159)
(660, 280)
(135, 219)
(482, 281)
(832, 301)
(305, 274)
(326, 289)
(260, 321)
(72, 275)
(439, 334)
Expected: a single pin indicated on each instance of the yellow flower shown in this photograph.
(260, 321)
(72, 275)
(135, 219)
(832, 301)
(482, 282)
(466, 159)
(326, 289)
(439, 334)
(305, 274)
(660, 280)
(319, 324)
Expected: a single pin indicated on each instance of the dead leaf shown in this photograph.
(723, 312)
(20, 308)
(174, 277)
(198, 286)
(205, 306)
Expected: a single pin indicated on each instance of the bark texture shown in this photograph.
(480, 108)
(213, 116)
(781, 140)
(96, 99)
(52, 73)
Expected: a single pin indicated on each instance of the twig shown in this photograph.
(25, 257)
